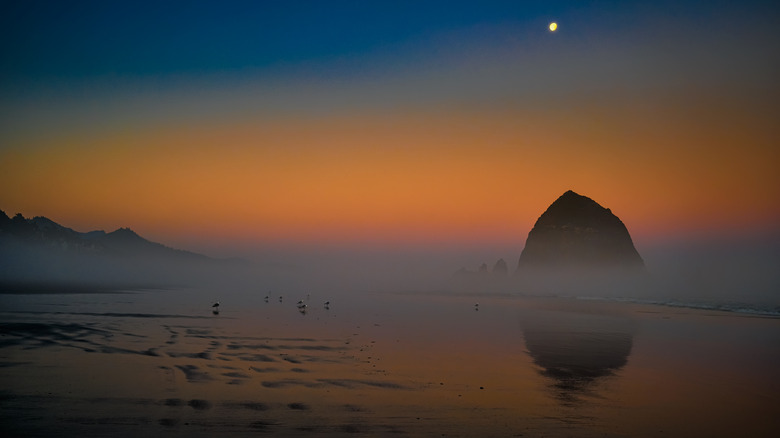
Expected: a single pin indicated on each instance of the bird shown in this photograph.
(215, 305)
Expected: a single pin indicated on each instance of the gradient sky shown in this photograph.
(370, 122)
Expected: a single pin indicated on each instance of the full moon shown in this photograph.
(553, 26)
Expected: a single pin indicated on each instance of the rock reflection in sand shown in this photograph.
(379, 365)
(576, 350)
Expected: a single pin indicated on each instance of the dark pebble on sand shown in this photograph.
(199, 404)
(350, 428)
(174, 402)
(261, 424)
(255, 406)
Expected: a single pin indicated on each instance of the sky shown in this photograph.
(384, 124)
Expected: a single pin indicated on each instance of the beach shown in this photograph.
(162, 363)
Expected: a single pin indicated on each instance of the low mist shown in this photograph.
(712, 273)
(717, 274)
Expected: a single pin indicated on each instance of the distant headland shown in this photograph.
(40, 255)
(44, 233)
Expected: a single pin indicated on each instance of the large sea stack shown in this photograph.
(577, 232)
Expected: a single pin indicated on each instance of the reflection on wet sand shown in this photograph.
(381, 365)
(165, 371)
(577, 350)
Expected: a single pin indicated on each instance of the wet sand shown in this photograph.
(160, 363)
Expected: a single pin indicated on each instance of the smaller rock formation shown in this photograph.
(483, 273)
(500, 269)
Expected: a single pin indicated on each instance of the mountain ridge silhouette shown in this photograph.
(44, 232)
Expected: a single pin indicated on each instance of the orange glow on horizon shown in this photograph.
(402, 177)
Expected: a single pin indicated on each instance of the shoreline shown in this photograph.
(381, 365)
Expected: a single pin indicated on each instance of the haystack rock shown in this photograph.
(577, 232)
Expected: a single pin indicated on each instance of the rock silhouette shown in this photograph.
(40, 255)
(483, 273)
(500, 269)
(45, 234)
(575, 231)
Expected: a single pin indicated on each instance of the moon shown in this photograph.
(553, 26)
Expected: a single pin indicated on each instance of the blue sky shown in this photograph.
(81, 39)
(140, 37)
